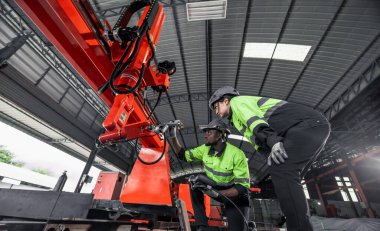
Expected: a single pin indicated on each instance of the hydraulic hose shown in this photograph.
(249, 227)
(125, 65)
(155, 105)
(155, 161)
(120, 66)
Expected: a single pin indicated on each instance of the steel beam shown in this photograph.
(243, 40)
(320, 195)
(84, 177)
(116, 10)
(12, 47)
(290, 8)
(365, 79)
(208, 60)
(182, 53)
(358, 186)
(173, 99)
(353, 162)
(304, 67)
(363, 183)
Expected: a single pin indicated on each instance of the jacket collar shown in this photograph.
(212, 150)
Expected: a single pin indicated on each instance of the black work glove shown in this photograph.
(278, 154)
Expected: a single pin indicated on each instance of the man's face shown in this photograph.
(212, 136)
(222, 108)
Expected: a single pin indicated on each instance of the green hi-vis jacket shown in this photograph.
(227, 167)
(249, 112)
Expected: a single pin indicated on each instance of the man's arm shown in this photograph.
(231, 192)
(264, 135)
(175, 143)
(194, 154)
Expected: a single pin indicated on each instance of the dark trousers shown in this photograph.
(302, 142)
(235, 220)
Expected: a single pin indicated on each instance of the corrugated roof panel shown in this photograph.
(168, 49)
(352, 75)
(226, 37)
(351, 44)
(7, 34)
(190, 140)
(183, 112)
(251, 75)
(87, 114)
(72, 102)
(53, 85)
(29, 63)
(164, 113)
(201, 112)
(98, 124)
(25, 118)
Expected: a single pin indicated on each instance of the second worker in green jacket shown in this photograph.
(226, 165)
(290, 134)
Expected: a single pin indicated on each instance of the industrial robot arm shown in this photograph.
(133, 49)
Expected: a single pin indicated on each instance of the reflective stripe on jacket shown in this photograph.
(229, 167)
(248, 112)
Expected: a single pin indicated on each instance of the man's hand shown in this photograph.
(211, 192)
(278, 154)
(198, 182)
(172, 131)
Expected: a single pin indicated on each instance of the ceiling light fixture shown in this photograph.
(206, 10)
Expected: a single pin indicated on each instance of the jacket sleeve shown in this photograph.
(253, 118)
(195, 154)
(181, 154)
(248, 113)
(266, 137)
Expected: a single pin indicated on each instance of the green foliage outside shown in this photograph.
(43, 171)
(7, 157)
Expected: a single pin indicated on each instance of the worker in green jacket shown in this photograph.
(291, 135)
(224, 164)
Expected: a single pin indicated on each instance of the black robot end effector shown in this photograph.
(162, 128)
(122, 35)
(166, 67)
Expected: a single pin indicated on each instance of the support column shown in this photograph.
(84, 177)
(345, 189)
(320, 196)
(357, 185)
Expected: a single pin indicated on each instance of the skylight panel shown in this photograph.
(282, 51)
(291, 52)
(259, 50)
